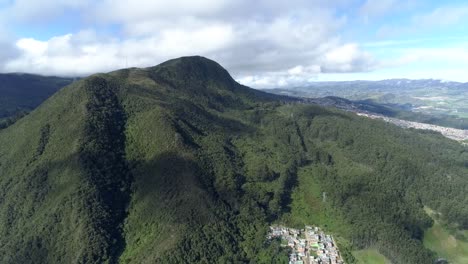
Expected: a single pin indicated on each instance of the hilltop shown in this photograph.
(178, 163)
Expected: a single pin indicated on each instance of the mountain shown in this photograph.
(20, 93)
(178, 163)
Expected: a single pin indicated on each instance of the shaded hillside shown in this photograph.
(180, 164)
(20, 93)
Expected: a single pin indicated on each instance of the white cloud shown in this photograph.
(7, 48)
(443, 16)
(84, 53)
(41, 11)
(435, 55)
(348, 58)
(376, 8)
(123, 11)
(433, 21)
(444, 62)
(59, 56)
(278, 79)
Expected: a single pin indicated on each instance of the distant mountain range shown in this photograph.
(20, 93)
(338, 88)
(385, 91)
(429, 101)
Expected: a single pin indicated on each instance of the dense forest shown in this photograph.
(178, 163)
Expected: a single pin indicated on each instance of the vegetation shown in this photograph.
(370, 256)
(8, 121)
(106, 172)
(180, 164)
(448, 241)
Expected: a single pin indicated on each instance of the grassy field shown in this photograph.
(438, 239)
(370, 256)
(308, 208)
(445, 243)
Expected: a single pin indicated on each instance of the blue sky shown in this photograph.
(262, 43)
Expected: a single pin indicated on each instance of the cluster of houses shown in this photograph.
(308, 246)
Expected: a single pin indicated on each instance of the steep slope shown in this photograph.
(180, 164)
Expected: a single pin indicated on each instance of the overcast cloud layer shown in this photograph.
(262, 43)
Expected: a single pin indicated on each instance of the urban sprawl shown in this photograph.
(308, 246)
(452, 133)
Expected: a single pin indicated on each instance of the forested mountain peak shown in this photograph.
(200, 68)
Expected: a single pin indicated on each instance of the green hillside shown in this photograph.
(178, 163)
(370, 256)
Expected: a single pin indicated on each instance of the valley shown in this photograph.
(425, 101)
(460, 135)
(379, 112)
